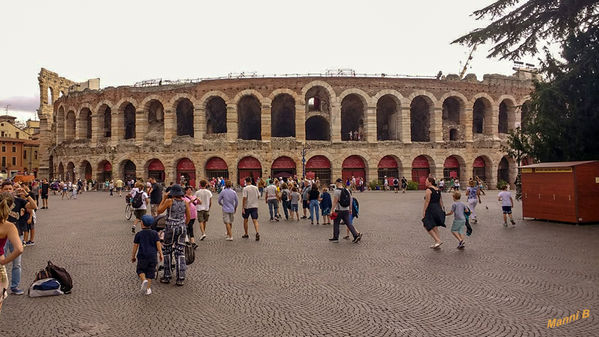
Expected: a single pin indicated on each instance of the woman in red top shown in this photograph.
(8, 231)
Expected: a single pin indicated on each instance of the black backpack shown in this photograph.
(344, 198)
(284, 196)
(59, 273)
(137, 200)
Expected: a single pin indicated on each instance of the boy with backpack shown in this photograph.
(459, 211)
(286, 200)
(342, 201)
(139, 202)
(146, 245)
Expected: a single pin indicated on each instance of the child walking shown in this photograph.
(296, 198)
(325, 205)
(146, 245)
(459, 219)
(507, 202)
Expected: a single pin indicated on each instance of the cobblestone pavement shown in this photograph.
(507, 282)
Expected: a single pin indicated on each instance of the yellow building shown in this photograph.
(19, 152)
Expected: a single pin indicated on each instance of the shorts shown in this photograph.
(203, 216)
(326, 211)
(458, 225)
(139, 213)
(250, 211)
(228, 217)
(294, 207)
(147, 266)
(305, 203)
(507, 209)
(119, 189)
(30, 226)
(45, 196)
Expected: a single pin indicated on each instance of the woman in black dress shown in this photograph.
(433, 214)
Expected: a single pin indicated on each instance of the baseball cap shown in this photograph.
(147, 220)
(339, 180)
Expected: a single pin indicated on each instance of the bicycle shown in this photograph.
(128, 208)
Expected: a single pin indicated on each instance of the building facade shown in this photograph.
(19, 147)
(328, 127)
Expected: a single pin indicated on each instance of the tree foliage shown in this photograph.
(518, 26)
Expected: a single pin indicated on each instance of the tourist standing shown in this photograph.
(294, 203)
(433, 215)
(404, 184)
(228, 200)
(342, 202)
(204, 197)
(325, 205)
(473, 193)
(272, 200)
(250, 207)
(35, 189)
(9, 236)
(507, 202)
(119, 187)
(314, 196)
(305, 199)
(45, 189)
(191, 200)
(285, 200)
(155, 196)
(177, 217)
(396, 185)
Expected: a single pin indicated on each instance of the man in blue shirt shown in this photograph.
(229, 201)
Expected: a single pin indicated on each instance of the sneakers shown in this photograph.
(29, 243)
(461, 245)
(202, 237)
(16, 291)
(513, 222)
(149, 291)
(245, 236)
(180, 283)
(346, 237)
(304, 217)
(165, 280)
(437, 245)
(144, 287)
(133, 229)
(505, 224)
(257, 236)
(333, 240)
(194, 245)
(357, 238)
(229, 238)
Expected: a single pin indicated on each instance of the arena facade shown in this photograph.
(261, 126)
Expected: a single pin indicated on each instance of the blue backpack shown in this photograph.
(355, 208)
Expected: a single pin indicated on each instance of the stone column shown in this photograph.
(45, 144)
(335, 172)
(406, 171)
(265, 122)
(116, 128)
(170, 129)
(95, 131)
(467, 123)
(436, 130)
(141, 126)
(78, 127)
(370, 127)
(300, 123)
(437, 170)
(491, 125)
(199, 126)
(372, 173)
(335, 122)
(232, 130)
(406, 130)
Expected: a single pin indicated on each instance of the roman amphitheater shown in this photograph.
(369, 126)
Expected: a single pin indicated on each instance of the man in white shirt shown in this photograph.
(203, 206)
(145, 201)
(272, 200)
(250, 207)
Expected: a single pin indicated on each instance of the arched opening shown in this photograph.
(51, 167)
(480, 168)
(387, 127)
(317, 128)
(129, 121)
(85, 171)
(420, 171)
(283, 167)
(319, 167)
(525, 118)
(249, 120)
(104, 171)
(61, 94)
(217, 168)
(248, 167)
(353, 167)
(481, 115)
(128, 170)
(155, 170)
(451, 168)
(70, 126)
(60, 121)
(155, 111)
(186, 171)
(216, 115)
(50, 96)
(283, 116)
(104, 121)
(452, 109)
(388, 168)
(506, 116)
(352, 118)
(85, 124)
(503, 171)
(61, 171)
(185, 118)
(318, 100)
(420, 117)
(70, 173)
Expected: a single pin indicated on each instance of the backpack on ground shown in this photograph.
(42, 274)
(45, 287)
(355, 208)
(137, 201)
(59, 273)
(344, 198)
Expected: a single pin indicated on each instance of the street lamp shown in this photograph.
(304, 162)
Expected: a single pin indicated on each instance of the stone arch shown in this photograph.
(525, 115)
(287, 91)
(353, 116)
(85, 170)
(61, 171)
(249, 166)
(154, 168)
(319, 166)
(184, 112)
(185, 171)
(84, 122)
(104, 171)
(104, 121)
(507, 170)
(482, 114)
(484, 172)
(388, 166)
(211, 94)
(60, 124)
(70, 125)
(388, 121)
(318, 96)
(453, 117)
(249, 118)
(454, 166)
(216, 114)
(366, 99)
(126, 112)
(354, 166)
(127, 169)
(250, 92)
(216, 166)
(507, 114)
(318, 128)
(421, 111)
(283, 116)
(421, 169)
(153, 109)
(70, 172)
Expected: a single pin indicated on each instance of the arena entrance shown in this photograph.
(420, 171)
(353, 166)
(451, 168)
(283, 167)
(85, 170)
(129, 169)
(156, 170)
(479, 169)
(319, 167)
(104, 171)
(216, 167)
(388, 168)
(186, 172)
(248, 167)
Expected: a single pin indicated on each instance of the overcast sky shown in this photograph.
(126, 41)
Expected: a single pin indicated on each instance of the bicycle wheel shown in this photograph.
(128, 212)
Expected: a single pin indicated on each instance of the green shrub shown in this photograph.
(412, 185)
(501, 184)
(374, 184)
